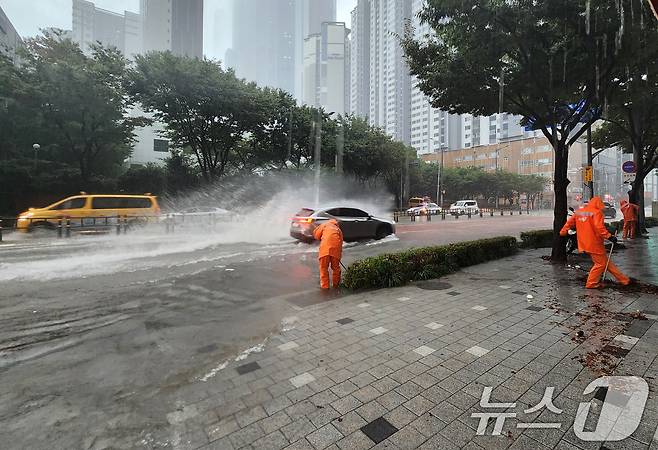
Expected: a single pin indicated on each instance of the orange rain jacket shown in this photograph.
(331, 239)
(590, 228)
(629, 210)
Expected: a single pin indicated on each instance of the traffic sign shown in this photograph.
(629, 167)
(628, 177)
(587, 174)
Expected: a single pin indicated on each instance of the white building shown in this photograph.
(92, 25)
(10, 41)
(325, 60)
(175, 25)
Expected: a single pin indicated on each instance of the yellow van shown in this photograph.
(91, 210)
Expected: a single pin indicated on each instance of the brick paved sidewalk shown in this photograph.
(406, 368)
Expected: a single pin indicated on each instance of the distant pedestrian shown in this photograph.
(630, 212)
(591, 232)
(331, 251)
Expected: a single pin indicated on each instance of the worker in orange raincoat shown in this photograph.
(629, 210)
(591, 233)
(331, 250)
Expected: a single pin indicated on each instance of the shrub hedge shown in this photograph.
(537, 239)
(398, 269)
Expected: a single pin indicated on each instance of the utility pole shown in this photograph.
(439, 181)
(590, 160)
(36, 148)
(289, 152)
(499, 120)
(317, 157)
(340, 145)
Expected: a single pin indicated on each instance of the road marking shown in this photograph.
(378, 330)
(424, 350)
(288, 346)
(477, 351)
(301, 380)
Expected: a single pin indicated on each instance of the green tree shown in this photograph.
(631, 118)
(205, 108)
(79, 105)
(547, 61)
(138, 180)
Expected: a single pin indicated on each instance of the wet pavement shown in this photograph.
(134, 351)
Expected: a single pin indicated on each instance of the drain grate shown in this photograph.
(433, 285)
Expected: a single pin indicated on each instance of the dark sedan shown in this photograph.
(609, 211)
(355, 223)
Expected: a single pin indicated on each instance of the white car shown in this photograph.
(463, 207)
(424, 209)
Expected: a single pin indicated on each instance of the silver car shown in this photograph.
(355, 223)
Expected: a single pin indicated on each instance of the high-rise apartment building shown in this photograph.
(325, 62)
(10, 41)
(389, 79)
(175, 25)
(359, 80)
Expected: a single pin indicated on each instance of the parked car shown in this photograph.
(91, 211)
(424, 209)
(355, 223)
(609, 211)
(463, 207)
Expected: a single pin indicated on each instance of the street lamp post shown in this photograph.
(316, 157)
(36, 148)
(439, 180)
(340, 145)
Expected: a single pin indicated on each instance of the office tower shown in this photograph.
(268, 39)
(309, 17)
(324, 68)
(264, 42)
(175, 25)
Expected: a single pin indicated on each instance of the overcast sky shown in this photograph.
(28, 16)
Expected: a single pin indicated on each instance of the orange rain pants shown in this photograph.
(629, 229)
(594, 278)
(325, 262)
(591, 232)
(331, 250)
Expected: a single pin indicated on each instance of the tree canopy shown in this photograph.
(550, 62)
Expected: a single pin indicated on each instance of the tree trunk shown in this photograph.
(637, 187)
(560, 183)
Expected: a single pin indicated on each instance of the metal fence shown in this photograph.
(64, 226)
(414, 216)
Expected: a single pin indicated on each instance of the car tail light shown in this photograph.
(303, 219)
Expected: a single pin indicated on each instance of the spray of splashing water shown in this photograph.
(261, 209)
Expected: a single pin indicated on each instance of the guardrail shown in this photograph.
(63, 226)
(413, 217)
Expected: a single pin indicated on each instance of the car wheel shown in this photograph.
(41, 226)
(382, 232)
